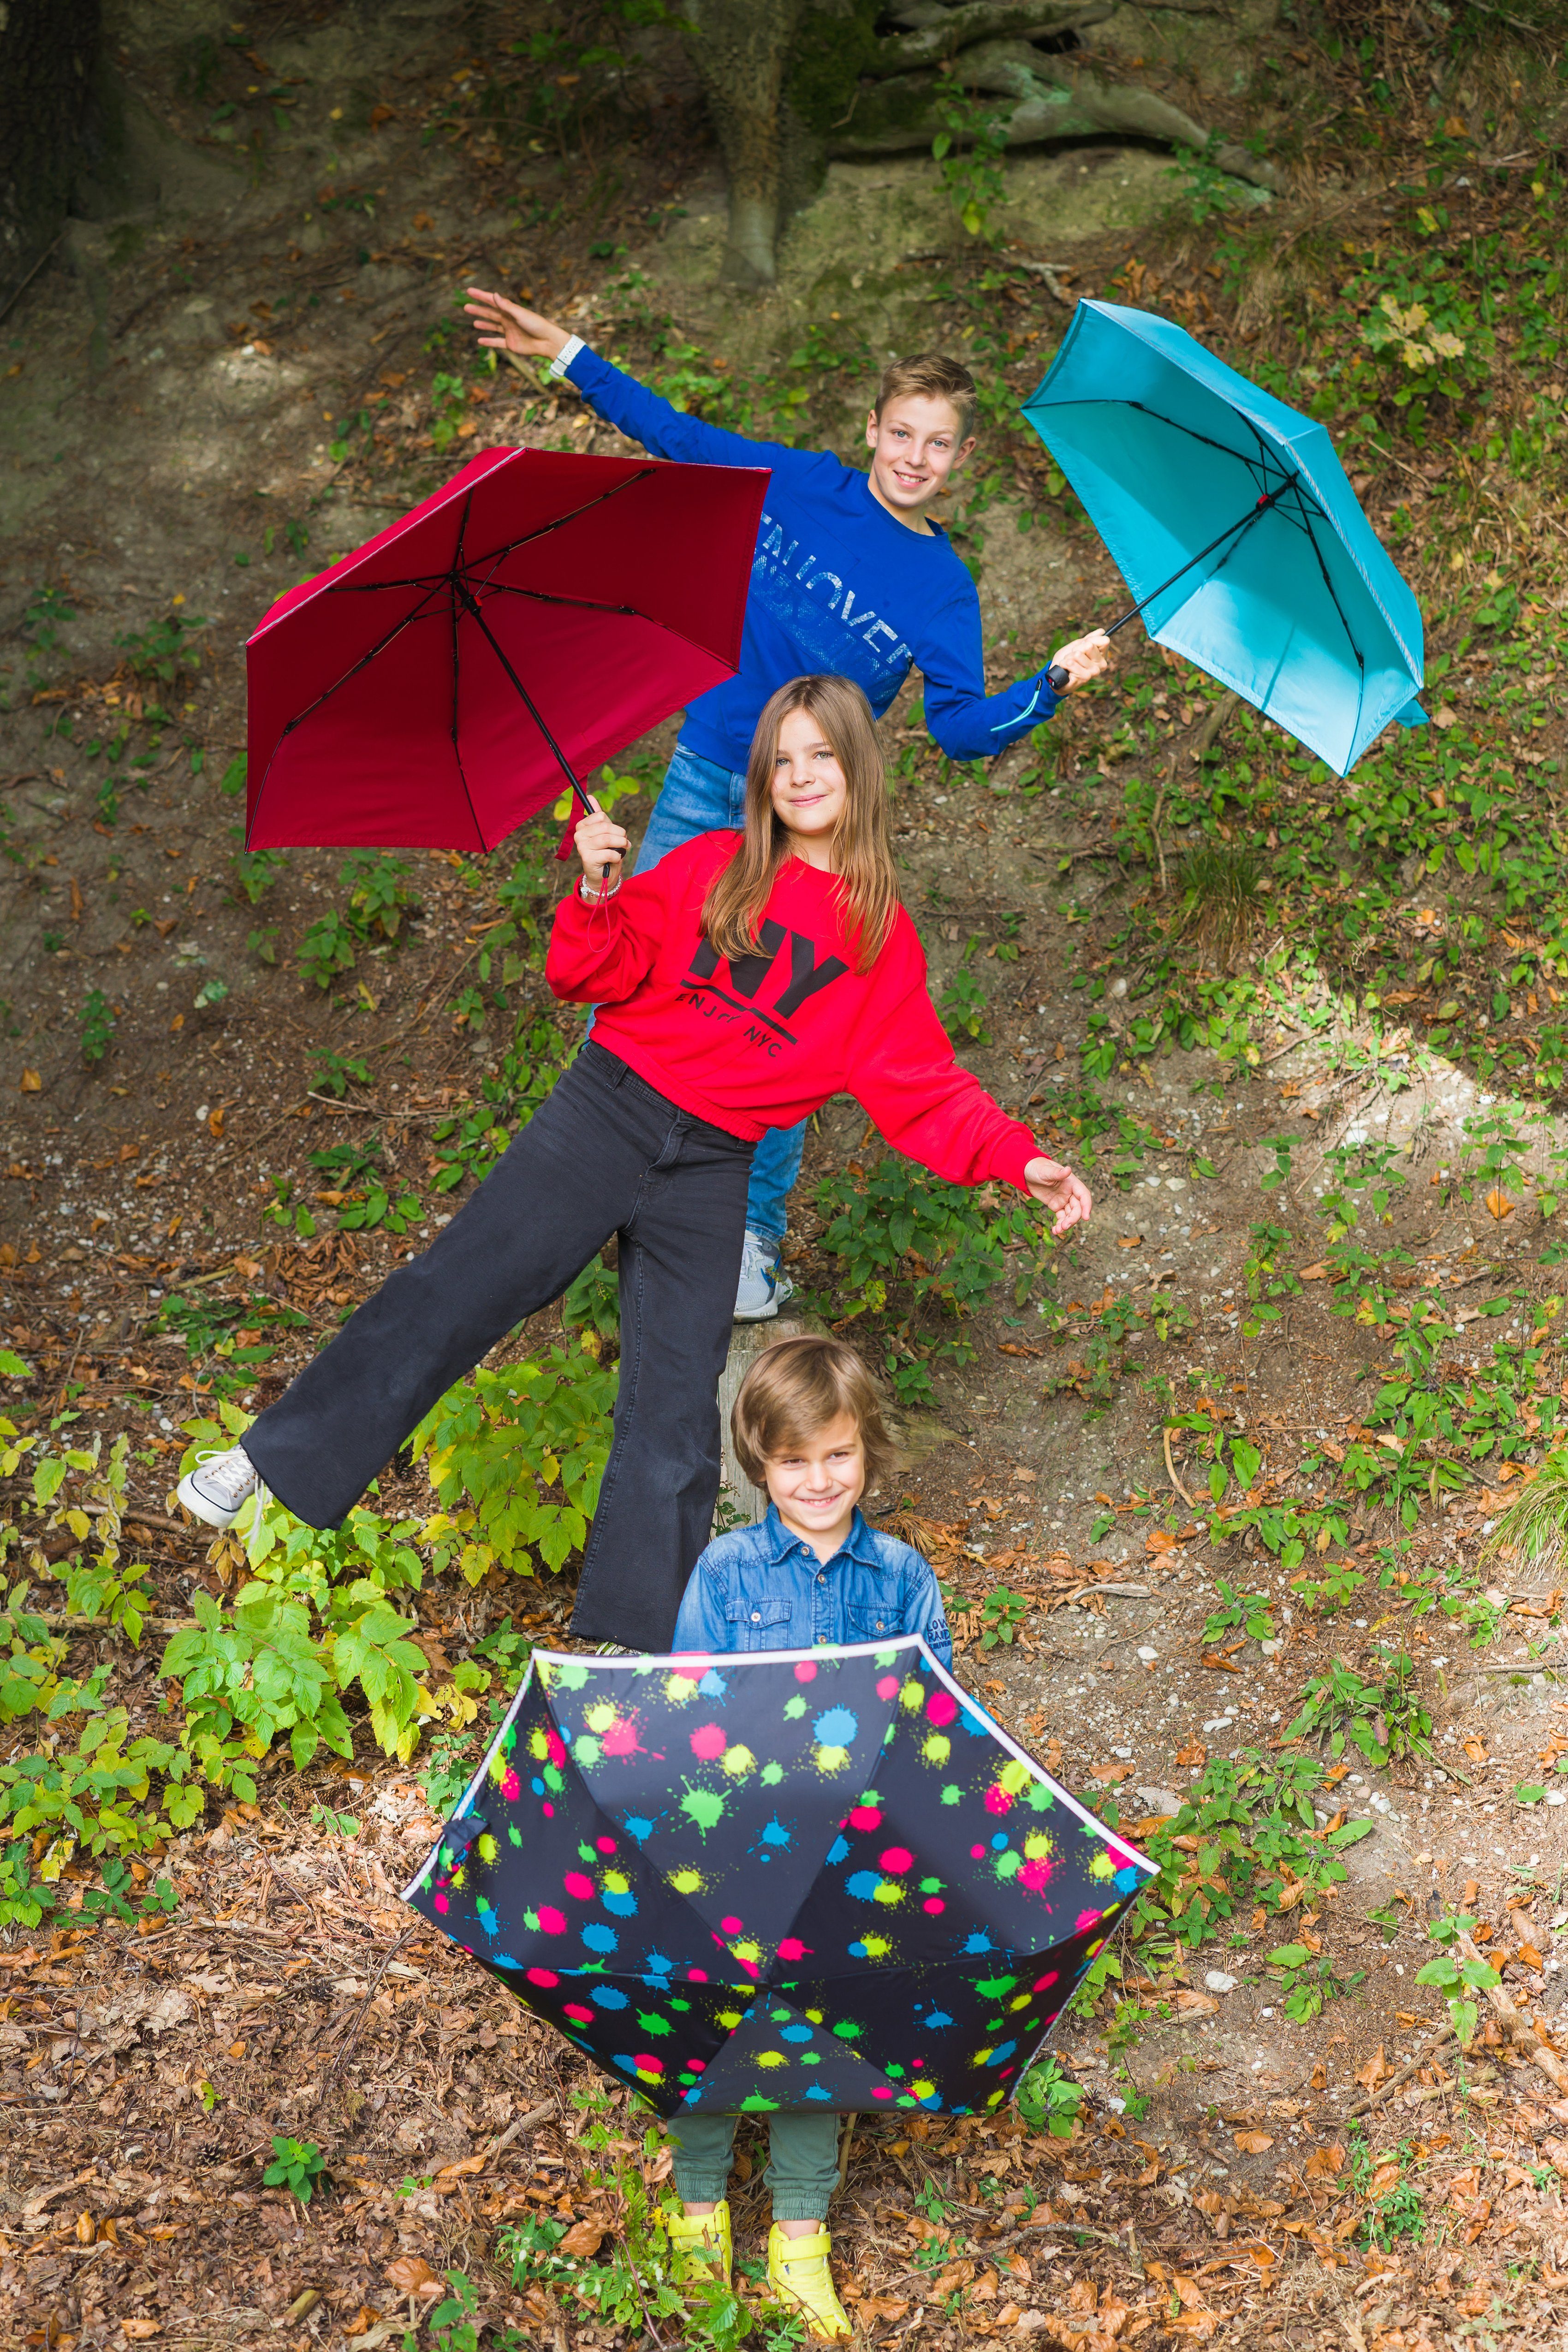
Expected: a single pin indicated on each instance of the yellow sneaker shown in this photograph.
(798, 2274)
(701, 2240)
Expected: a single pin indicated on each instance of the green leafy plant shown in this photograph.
(471, 1141)
(593, 1302)
(629, 2282)
(1048, 2100)
(962, 1002)
(1457, 1977)
(501, 1446)
(164, 651)
(1383, 1718)
(380, 896)
(1396, 2211)
(255, 870)
(1002, 1617)
(1306, 1981)
(968, 150)
(97, 1026)
(334, 1074)
(327, 949)
(448, 401)
(297, 2166)
(1246, 1611)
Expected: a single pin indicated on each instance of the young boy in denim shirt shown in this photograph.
(807, 1423)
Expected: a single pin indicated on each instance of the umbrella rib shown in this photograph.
(497, 554)
(471, 603)
(457, 679)
(583, 603)
(1232, 530)
(352, 671)
(1266, 459)
(373, 587)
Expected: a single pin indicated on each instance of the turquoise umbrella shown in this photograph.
(1230, 518)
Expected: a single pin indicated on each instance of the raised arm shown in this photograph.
(641, 414)
(603, 940)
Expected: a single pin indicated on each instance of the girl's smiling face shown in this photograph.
(809, 789)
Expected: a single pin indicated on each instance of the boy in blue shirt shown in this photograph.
(807, 1423)
(851, 577)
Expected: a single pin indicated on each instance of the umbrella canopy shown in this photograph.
(786, 1879)
(1232, 521)
(439, 684)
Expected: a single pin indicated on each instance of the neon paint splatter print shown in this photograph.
(782, 1883)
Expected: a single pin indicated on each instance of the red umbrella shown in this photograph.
(438, 685)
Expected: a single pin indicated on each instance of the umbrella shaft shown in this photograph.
(471, 603)
(1058, 676)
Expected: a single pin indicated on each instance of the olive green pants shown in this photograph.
(803, 2170)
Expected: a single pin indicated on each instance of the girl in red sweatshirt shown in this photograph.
(740, 984)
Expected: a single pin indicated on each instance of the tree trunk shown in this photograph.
(1052, 99)
(738, 48)
(48, 50)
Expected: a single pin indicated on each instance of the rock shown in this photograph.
(1160, 1800)
(1218, 1981)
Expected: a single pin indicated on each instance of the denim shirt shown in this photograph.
(762, 1588)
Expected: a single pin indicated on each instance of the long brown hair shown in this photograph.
(862, 847)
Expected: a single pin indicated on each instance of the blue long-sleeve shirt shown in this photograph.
(838, 586)
(763, 1588)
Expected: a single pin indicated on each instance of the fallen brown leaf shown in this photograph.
(412, 2274)
(1253, 2143)
(584, 2239)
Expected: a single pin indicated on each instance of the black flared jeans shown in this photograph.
(604, 1153)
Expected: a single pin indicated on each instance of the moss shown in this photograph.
(833, 47)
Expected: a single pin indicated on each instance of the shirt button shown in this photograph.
(756, 1616)
(821, 1578)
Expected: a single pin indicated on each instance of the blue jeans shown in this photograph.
(699, 797)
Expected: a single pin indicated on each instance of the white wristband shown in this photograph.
(566, 354)
(591, 898)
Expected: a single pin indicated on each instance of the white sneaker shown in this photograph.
(220, 1485)
(763, 1285)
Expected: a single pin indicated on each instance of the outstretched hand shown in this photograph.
(506, 326)
(1060, 1190)
(1085, 657)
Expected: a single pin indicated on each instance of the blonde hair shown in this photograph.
(794, 1390)
(931, 375)
(862, 847)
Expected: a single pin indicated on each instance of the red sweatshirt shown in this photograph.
(766, 1039)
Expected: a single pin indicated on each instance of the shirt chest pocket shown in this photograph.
(869, 1617)
(758, 1623)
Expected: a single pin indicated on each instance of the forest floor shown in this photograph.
(1208, 1490)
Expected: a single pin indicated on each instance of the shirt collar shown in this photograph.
(860, 1544)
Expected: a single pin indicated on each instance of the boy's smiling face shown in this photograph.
(815, 1485)
(916, 444)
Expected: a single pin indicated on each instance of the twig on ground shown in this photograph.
(1520, 2028)
(1365, 2107)
(1171, 1469)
